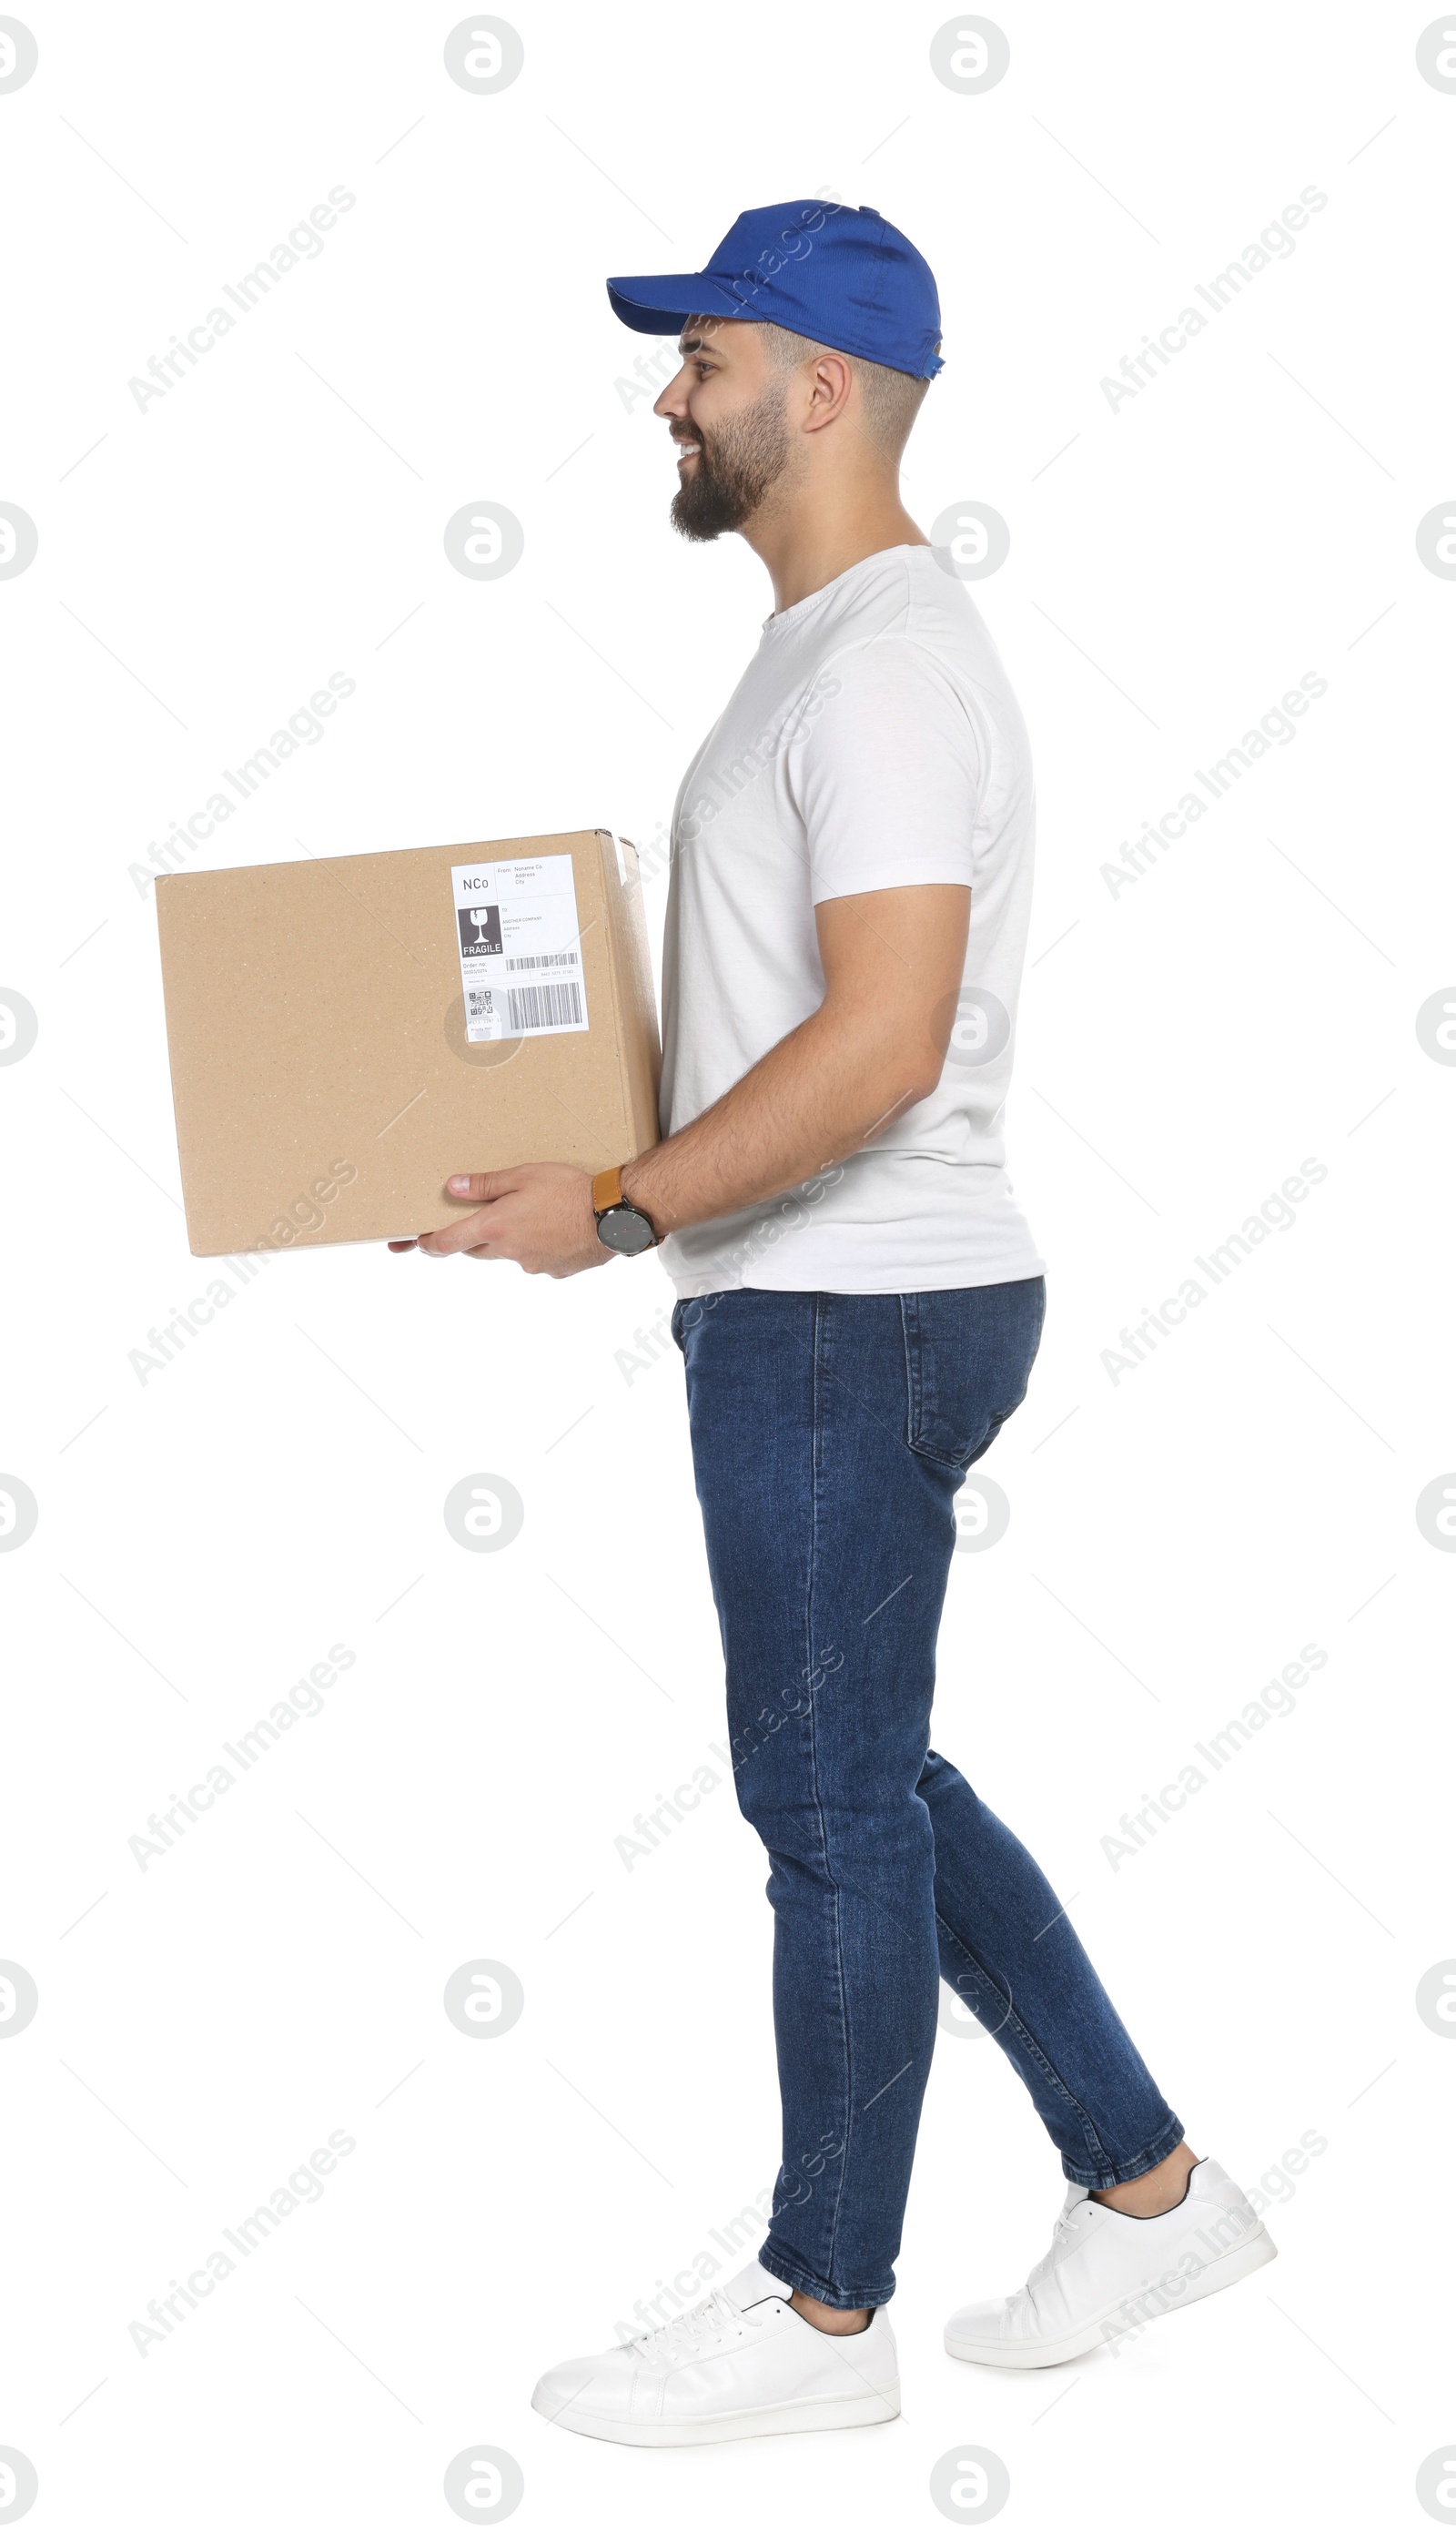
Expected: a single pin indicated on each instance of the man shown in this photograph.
(859, 1302)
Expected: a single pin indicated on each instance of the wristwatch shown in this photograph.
(621, 1229)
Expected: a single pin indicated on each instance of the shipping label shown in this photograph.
(519, 949)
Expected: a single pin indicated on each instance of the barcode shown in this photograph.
(531, 1008)
(479, 1001)
(539, 961)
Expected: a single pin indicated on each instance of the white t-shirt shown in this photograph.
(873, 741)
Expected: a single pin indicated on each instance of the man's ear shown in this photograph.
(830, 387)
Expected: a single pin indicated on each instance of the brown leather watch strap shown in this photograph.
(607, 1188)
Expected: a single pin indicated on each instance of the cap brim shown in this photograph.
(660, 304)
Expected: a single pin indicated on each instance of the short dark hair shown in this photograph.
(891, 399)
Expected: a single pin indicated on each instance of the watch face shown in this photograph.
(625, 1229)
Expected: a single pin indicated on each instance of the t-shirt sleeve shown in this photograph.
(888, 778)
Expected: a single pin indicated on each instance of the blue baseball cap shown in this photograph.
(843, 276)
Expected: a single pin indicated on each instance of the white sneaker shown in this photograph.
(1107, 2275)
(741, 2364)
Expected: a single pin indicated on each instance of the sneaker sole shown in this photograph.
(1241, 2262)
(777, 2419)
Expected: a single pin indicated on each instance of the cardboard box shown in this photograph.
(346, 1031)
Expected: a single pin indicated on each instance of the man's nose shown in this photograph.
(673, 399)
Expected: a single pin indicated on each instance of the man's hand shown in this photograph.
(539, 1215)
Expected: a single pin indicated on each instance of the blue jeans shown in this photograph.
(831, 1433)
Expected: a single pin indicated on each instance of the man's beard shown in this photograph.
(736, 466)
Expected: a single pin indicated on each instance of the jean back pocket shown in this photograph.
(968, 1356)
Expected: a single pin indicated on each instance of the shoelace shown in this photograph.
(1062, 2232)
(707, 2325)
(1047, 2264)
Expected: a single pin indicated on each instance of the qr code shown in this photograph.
(482, 1004)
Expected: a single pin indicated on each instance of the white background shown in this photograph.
(206, 1535)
